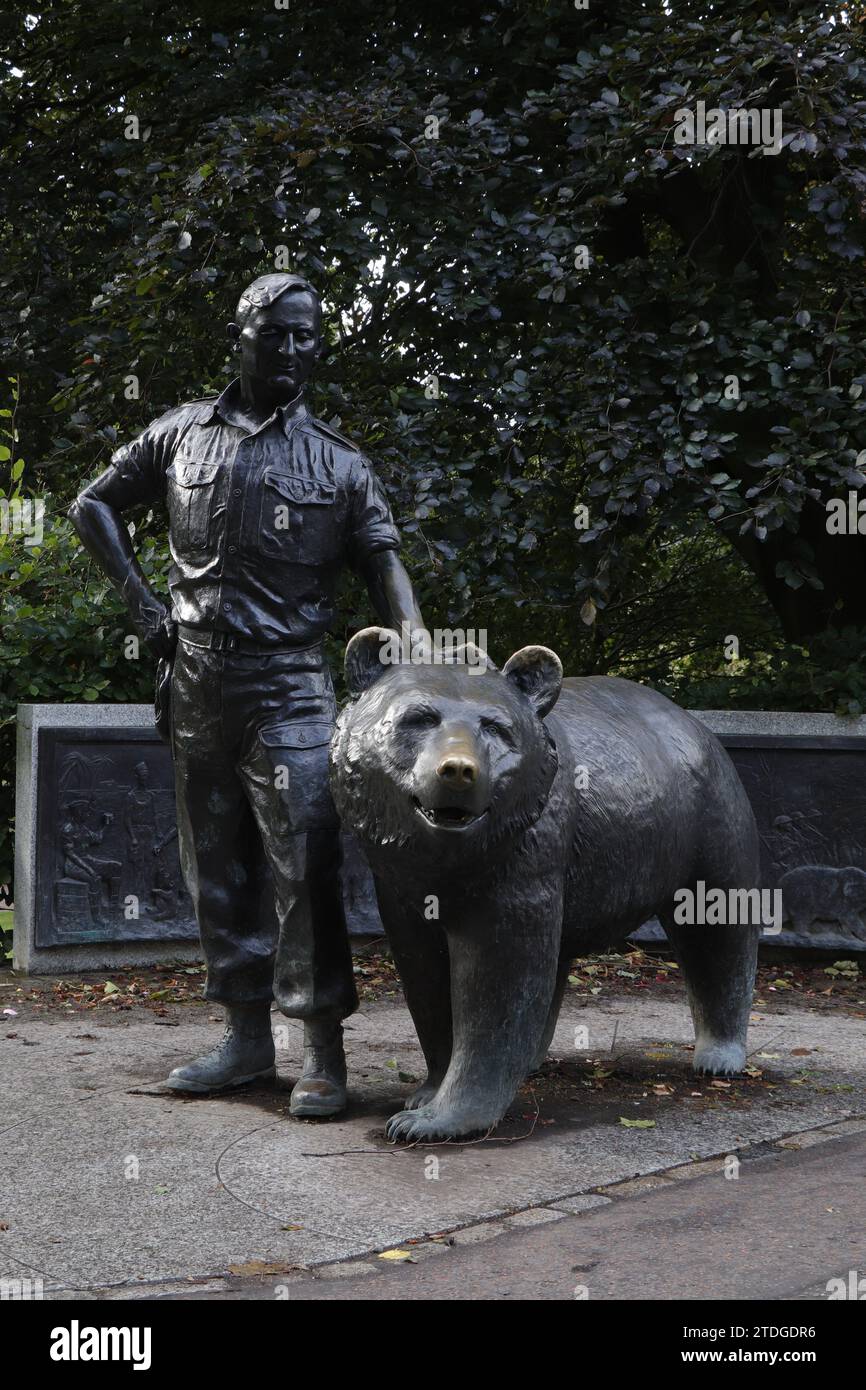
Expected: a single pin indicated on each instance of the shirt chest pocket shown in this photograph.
(299, 519)
(191, 501)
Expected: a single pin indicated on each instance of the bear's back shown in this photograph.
(621, 729)
(646, 784)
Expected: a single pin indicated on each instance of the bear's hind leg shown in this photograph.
(718, 965)
(553, 1016)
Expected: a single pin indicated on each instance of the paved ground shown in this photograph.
(111, 1187)
(790, 1223)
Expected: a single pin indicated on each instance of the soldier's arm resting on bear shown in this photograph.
(391, 592)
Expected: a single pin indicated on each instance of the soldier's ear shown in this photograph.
(370, 653)
(537, 673)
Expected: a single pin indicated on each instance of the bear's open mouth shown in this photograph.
(447, 817)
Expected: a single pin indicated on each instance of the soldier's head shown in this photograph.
(277, 335)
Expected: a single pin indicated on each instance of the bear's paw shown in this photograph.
(432, 1123)
(719, 1058)
(425, 1093)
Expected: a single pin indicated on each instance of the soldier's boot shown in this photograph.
(246, 1053)
(321, 1088)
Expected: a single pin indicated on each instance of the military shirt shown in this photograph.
(260, 523)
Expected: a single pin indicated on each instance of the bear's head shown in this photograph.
(449, 759)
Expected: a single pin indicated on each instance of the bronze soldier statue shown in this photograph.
(266, 504)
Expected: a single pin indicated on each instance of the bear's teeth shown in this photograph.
(450, 817)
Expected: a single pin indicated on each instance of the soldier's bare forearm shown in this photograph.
(391, 592)
(105, 537)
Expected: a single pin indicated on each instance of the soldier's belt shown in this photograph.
(229, 642)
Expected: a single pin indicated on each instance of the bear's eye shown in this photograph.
(498, 729)
(419, 717)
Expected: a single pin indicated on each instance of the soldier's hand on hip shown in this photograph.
(154, 622)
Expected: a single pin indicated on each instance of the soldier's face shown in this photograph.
(279, 345)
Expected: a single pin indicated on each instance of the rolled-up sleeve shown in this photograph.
(136, 474)
(371, 525)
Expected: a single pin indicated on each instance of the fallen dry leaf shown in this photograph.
(259, 1267)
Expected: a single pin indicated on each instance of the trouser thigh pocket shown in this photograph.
(295, 758)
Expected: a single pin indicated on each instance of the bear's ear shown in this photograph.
(370, 653)
(537, 673)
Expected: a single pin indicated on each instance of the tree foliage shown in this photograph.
(436, 170)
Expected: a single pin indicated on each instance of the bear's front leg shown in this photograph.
(421, 953)
(503, 976)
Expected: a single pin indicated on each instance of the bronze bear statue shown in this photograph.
(814, 893)
(514, 820)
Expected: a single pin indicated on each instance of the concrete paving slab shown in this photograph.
(534, 1216)
(575, 1205)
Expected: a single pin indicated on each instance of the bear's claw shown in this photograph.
(423, 1095)
(426, 1123)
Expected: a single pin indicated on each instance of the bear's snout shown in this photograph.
(458, 770)
(451, 781)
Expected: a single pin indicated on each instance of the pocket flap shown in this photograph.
(300, 489)
(312, 733)
(193, 474)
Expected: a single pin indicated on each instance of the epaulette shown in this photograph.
(199, 401)
(331, 433)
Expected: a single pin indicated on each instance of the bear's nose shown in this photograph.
(458, 770)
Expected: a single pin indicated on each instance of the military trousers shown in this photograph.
(257, 829)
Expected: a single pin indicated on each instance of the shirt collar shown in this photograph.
(222, 409)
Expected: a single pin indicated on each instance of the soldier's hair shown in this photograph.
(267, 289)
